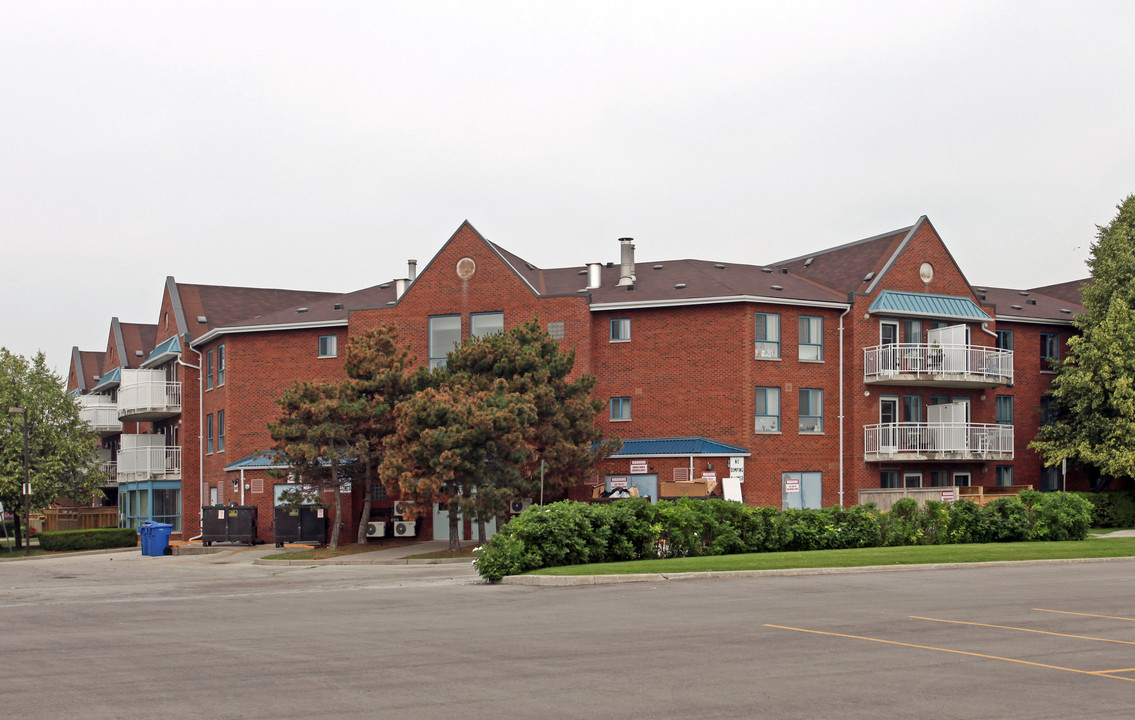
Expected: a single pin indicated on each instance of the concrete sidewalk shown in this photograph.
(386, 556)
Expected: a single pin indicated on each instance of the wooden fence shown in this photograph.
(80, 518)
(884, 498)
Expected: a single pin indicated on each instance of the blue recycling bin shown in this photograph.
(155, 537)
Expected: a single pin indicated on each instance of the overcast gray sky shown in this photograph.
(319, 145)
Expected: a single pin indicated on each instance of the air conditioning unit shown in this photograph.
(376, 528)
(405, 528)
(519, 505)
(400, 508)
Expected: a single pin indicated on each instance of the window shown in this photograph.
(556, 330)
(1004, 339)
(1047, 412)
(811, 338)
(1049, 479)
(377, 492)
(485, 324)
(1004, 475)
(912, 408)
(889, 479)
(445, 335)
(811, 411)
(961, 479)
(167, 507)
(620, 409)
(912, 331)
(209, 433)
(939, 400)
(220, 365)
(912, 479)
(768, 409)
(1049, 350)
(620, 329)
(939, 478)
(208, 369)
(220, 431)
(1005, 409)
(328, 346)
(768, 335)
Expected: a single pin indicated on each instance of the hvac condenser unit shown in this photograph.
(404, 528)
(376, 528)
(519, 505)
(399, 508)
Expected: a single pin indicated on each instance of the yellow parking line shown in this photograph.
(1108, 672)
(1066, 612)
(955, 652)
(1021, 629)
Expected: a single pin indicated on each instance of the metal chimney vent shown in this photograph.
(656, 267)
(808, 261)
(301, 310)
(1016, 307)
(337, 306)
(679, 286)
(201, 319)
(719, 266)
(776, 287)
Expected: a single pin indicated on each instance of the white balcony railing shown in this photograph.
(110, 468)
(148, 399)
(159, 462)
(101, 416)
(938, 363)
(938, 441)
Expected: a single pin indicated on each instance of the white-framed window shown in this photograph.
(767, 335)
(620, 409)
(811, 410)
(208, 369)
(620, 330)
(912, 479)
(767, 410)
(811, 338)
(445, 335)
(328, 346)
(486, 323)
(220, 365)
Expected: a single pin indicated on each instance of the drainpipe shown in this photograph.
(242, 487)
(841, 317)
(200, 445)
(985, 329)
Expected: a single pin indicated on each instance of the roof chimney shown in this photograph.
(594, 275)
(626, 262)
(400, 287)
(413, 270)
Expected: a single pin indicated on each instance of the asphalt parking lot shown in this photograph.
(214, 636)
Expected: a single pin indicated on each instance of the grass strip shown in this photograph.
(861, 557)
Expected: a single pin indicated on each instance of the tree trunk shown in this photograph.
(364, 518)
(481, 539)
(16, 534)
(338, 506)
(454, 532)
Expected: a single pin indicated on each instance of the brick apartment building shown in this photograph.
(796, 383)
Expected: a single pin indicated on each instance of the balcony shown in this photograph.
(937, 442)
(934, 365)
(156, 462)
(110, 467)
(145, 396)
(101, 413)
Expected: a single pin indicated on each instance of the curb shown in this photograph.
(344, 561)
(104, 551)
(575, 580)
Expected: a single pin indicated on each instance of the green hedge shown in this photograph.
(1111, 508)
(571, 533)
(88, 539)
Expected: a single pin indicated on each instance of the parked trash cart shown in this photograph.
(299, 524)
(232, 523)
(155, 538)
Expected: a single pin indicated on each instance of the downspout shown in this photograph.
(242, 487)
(987, 330)
(691, 467)
(200, 445)
(841, 317)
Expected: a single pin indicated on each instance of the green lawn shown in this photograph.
(923, 554)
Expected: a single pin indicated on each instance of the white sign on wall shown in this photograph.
(792, 485)
(639, 467)
(619, 481)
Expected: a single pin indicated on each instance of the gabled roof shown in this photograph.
(1034, 305)
(136, 341)
(201, 308)
(678, 447)
(846, 267)
(87, 365)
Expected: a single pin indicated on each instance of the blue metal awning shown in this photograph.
(950, 307)
(679, 447)
(106, 382)
(266, 460)
(171, 348)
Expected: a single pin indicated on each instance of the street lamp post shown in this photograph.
(27, 482)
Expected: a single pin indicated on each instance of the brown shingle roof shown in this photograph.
(1031, 304)
(844, 267)
(223, 305)
(139, 339)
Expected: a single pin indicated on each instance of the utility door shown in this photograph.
(465, 533)
(802, 490)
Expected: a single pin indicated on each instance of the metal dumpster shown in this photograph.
(231, 524)
(299, 524)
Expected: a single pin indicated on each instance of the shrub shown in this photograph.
(1008, 520)
(1052, 517)
(633, 529)
(99, 539)
(1111, 508)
